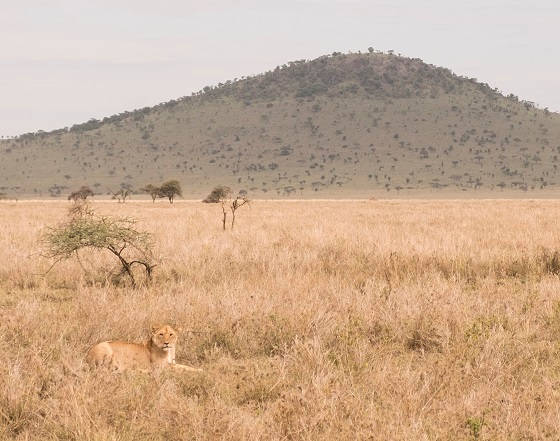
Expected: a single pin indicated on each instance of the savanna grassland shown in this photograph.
(315, 320)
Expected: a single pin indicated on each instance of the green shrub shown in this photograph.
(85, 229)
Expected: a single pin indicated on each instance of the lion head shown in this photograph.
(164, 337)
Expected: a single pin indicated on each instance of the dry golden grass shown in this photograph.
(384, 320)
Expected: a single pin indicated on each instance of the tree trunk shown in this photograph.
(124, 263)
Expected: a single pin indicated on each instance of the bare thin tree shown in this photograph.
(236, 204)
(121, 195)
(230, 204)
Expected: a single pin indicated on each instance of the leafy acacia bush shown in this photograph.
(217, 194)
(152, 190)
(169, 189)
(82, 194)
(86, 230)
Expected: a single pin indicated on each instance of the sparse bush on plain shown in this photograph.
(152, 190)
(236, 204)
(475, 425)
(229, 204)
(169, 190)
(217, 194)
(81, 195)
(121, 196)
(86, 230)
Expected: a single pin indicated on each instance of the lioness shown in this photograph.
(157, 352)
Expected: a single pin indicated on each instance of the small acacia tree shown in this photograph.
(170, 190)
(84, 229)
(122, 195)
(217, 194)
(82, 194)
(152, 190)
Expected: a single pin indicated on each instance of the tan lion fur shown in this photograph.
(156, 353)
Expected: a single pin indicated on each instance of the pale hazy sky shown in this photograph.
(66, 61)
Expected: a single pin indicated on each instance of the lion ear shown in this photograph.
(155, 328)
(178, 329)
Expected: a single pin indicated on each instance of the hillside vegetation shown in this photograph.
(344, 125)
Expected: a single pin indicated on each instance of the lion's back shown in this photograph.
(119, 355)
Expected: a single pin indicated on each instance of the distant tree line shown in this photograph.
(168, 190)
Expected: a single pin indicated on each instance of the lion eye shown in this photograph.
(170, 335)
(161, 335)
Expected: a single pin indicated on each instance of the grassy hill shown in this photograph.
(338, 126)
